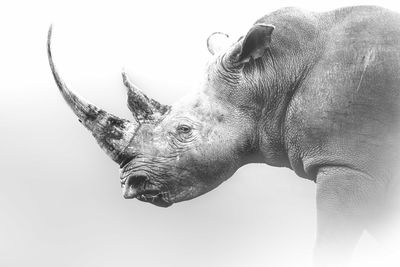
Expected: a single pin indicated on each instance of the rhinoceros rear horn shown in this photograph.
(113, 134)
(142, 107)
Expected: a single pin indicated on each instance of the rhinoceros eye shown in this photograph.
(183, 129)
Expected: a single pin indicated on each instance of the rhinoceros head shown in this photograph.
(173, 153)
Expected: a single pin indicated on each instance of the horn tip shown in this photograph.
(49, 34)
(124, 74)
(125, 79)
(50, 31)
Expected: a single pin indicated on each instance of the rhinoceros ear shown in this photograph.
(255, 43)
(218, 42)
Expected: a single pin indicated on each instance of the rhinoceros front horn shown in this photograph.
(113, 134)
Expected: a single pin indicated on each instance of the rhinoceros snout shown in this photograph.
(139, 186)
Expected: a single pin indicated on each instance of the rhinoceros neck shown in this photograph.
(295, 48)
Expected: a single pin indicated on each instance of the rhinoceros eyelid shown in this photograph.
(183, 128)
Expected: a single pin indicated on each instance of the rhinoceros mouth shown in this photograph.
(140, 186)
(156, 197)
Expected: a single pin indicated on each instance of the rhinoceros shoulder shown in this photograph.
(346, 112)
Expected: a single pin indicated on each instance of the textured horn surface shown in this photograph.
(113, 134)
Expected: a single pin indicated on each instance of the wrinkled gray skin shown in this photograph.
(317, 93)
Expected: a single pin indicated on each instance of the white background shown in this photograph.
(60, 198)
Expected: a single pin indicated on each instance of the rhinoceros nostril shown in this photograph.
(136, 180)
(133, 185)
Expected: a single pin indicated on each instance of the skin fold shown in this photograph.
(314, 92)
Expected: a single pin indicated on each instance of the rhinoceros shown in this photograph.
(314, 92)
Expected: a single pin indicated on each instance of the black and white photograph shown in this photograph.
(200, 133)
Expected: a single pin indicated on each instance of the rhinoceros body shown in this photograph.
(314, 92)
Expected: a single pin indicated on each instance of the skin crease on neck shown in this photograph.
(263, 89)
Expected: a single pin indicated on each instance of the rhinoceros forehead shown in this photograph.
(200, 107)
